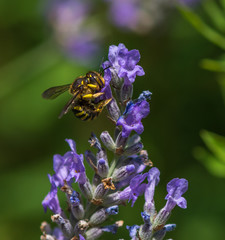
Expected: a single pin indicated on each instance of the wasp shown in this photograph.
(86, 102)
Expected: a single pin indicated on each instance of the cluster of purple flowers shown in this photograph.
(77, 24)
(73, 29)
(117, 181)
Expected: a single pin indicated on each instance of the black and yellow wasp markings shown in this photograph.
(87, 100)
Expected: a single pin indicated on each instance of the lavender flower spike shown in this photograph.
(118, 177)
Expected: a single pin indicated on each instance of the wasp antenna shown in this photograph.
(104, 70)
(101, 64)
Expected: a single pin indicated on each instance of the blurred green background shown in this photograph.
(186, 99)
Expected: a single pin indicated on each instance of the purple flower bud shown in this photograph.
(58, 234)
(108, 141)
(78, 211)
(145, 95)
(121, 141)
(80, 227)
(45, 228)
(159, 235)
(74, 199)
(145, 231)
(113, 109)
(77, 208)
(103, 168)
(146, 217)
(134, 149)
(90, 158)
(81, 237)
(94, 142)
(126, 92)
(93, 233)
(86, 189)
(98, 217)
(133, 140)
(110, 228)
(101, 215)
(113, 210)
(153, 180)
(101, 154)
(100, 191)
(64, 225)
(112, 199)
(123, 172)
(96, 180)
(170, 227)
(132, 230)
(125, 194)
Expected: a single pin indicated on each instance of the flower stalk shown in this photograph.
(116, 181)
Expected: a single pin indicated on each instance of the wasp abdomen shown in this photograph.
(84, 113)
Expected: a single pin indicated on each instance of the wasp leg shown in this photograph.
(104, 103)
(92, 96)
(92, 86)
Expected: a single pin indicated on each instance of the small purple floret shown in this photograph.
(112, 210)
(132, 230)
(131, 119)
(124, 63)
(130, 168)
(58, 234)
(51, 201)
(110, 228)
(176, 188)
(153, 180)
(146, 217)
(137, 187)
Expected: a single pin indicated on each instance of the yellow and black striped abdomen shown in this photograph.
(85, 112)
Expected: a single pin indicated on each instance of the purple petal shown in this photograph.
(72, 144)
(51, 201)
(177, 187)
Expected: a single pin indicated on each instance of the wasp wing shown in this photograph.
(54, 92)
(69, 104)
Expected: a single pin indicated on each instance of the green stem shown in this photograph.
(112, 167)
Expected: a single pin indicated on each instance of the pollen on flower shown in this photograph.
(97, 202)
(108, 183)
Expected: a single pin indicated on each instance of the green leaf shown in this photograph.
(216, 14)
(222, 2)
(212, 164)
(215, 143)
(213, 65)
(221, 82)
(209, 33)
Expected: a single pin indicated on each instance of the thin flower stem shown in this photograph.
(112, 167)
